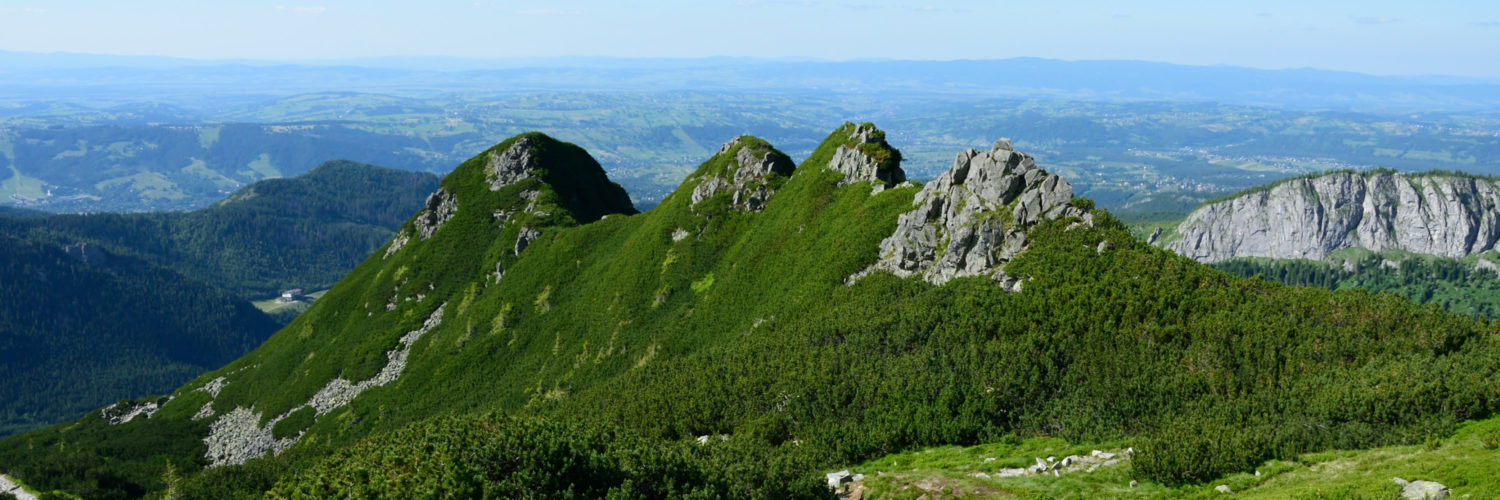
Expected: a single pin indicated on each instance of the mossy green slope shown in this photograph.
(703, 320)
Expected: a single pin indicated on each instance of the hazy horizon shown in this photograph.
(1386, 38)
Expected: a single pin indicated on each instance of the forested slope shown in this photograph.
(83, 330)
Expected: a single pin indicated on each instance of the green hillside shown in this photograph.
(526, 295)
(303, 232)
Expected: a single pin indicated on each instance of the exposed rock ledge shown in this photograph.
(237, 437)
(973, 218)
(747, 178)
(858, 161)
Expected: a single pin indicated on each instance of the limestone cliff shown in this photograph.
(1450, 215)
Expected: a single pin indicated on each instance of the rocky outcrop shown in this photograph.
(402, 237)
(441, 205)
(973, 218)
(867, 157)
(1309, 218)
(125, 411)
(750, 164)
(524, 238)
(510, 166)
(237, 436)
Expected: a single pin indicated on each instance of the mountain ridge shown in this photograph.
(699, 319)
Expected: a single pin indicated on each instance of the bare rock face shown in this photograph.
(440, 207)
(861, 161)
(512, 165)
(973, 218)
(1309, 218)
(751, 165)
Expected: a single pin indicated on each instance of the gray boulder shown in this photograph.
(1422, 490)
(836, 479)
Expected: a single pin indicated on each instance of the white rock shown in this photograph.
(836, 479)
(1424, 490)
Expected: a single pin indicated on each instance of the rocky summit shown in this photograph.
(867, 157)
(1450, 215)
(973, 218)
(747, 171)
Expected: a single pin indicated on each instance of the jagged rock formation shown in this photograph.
(973, 218)
(1308, 218)
(867, 157)
(747, 176)
(512, 164)
(440, 207)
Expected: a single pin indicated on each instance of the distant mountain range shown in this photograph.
(31, 76)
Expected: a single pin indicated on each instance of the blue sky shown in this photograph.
(1372, 36)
